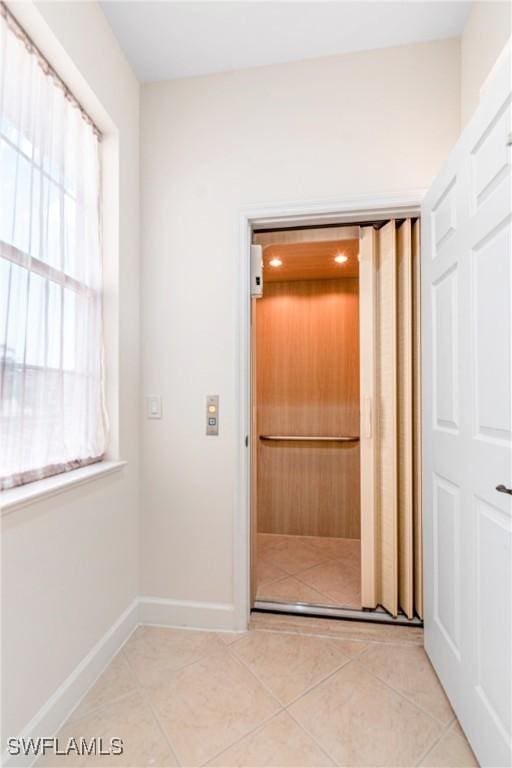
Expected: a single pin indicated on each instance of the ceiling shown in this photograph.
(165, 40)
(310, 261)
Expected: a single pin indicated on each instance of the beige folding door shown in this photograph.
(390, 530)
(416, 356)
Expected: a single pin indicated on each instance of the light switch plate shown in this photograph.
(154, 407)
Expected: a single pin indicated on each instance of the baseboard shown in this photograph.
(144, 610)
(60, 705)
(183, 613)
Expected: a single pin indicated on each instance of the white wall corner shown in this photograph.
(187, 614)
(145, 610)
(505, 53)
(69, 694)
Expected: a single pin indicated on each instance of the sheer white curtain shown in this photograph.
(52, 415)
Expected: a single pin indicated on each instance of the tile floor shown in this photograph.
(309, 569)
(291, 691)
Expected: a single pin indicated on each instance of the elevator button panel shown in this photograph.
(212, 414)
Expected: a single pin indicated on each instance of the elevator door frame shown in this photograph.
(349, 210)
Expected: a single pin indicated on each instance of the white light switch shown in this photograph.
(154, 407)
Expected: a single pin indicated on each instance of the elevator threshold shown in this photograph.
(378, 615)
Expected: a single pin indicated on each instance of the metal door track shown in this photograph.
(377, 616)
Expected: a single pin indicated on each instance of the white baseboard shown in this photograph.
(69, 694)
(144, 610)
(183, 613)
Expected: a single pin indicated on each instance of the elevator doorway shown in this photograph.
(335, 503)
(306, 338)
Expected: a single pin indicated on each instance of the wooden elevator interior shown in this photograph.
(335, 427)
(307, 342)
(306, 381)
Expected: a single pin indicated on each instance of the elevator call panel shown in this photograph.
(212, 414)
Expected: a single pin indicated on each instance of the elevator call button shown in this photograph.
(212, 415)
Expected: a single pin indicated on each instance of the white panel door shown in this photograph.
(467, 425)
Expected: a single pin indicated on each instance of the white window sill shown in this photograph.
(15, 498)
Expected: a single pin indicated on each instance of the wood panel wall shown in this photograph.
(307, 347)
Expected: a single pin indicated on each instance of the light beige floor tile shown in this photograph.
(129, 719)
(333, 549)
(268, 571)
(363, 631)
(408, 670)
(117, 680)
(290, 664)
(206, 707)
(362, 722)
(230, 637)
(380, 633)
(291, 590)
(329, 566)
(275, 622)
(338, 579)
(279, 743)
(451, 751)
(290, 553)
(153, 649)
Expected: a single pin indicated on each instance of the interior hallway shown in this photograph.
(289, 692)
(309, 569)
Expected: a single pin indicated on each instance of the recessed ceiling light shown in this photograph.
(340, 258)
(275, 262)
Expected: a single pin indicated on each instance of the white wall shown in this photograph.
(486, 32)
(380, 121)
(70, 563)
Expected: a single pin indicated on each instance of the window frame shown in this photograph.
(38, 475)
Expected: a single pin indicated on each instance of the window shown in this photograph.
(52, 412)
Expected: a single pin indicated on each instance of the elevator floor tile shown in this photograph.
(309, 569)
